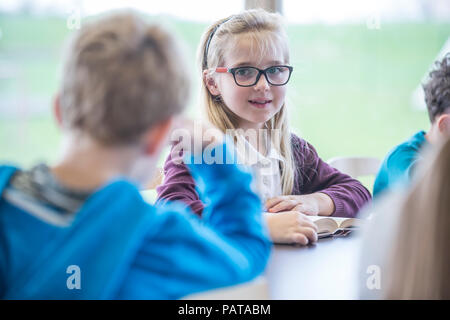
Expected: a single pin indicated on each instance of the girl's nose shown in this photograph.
(262, 84)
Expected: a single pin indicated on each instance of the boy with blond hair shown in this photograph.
(79, 229)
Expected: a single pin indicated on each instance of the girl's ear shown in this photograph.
(210, 83)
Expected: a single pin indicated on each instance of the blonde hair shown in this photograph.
(265, 28)
(417, 267)
(121, 77)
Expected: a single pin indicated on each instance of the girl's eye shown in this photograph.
(243, 72)
(274, 70)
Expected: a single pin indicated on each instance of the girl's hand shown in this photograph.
(193, 137)
(310, 204)
(191, 132)
(291, 227)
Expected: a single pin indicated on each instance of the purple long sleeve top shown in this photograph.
(312, 175)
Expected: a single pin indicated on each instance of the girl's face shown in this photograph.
(252, 105)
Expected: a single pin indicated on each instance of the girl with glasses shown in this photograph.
(245, 69)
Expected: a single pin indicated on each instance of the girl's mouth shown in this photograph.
(259, 103)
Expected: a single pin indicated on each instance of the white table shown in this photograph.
(326, 270)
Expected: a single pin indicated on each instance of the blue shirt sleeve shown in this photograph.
(187, 254)
(400, 162)
(397, 168)
(399, 165)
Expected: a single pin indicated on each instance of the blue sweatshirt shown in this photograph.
(117, 246)
(399, 163)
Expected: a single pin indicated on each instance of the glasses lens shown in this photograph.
(245, 76)
(278, 74)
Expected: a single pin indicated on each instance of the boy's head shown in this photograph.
(121, 77)
(437, 95)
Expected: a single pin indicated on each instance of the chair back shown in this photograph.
(356, 166)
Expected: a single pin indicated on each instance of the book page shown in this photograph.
(324, 224)
(329, 225)
(348, 222)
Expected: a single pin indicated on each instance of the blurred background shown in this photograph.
(355, 90)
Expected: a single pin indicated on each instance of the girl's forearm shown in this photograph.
(326, 204)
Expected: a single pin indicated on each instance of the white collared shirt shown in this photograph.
(265, 169)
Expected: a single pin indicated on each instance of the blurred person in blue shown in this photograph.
(404, 253)
(79, 229)
(399, 164)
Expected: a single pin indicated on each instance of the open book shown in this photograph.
(331, 226)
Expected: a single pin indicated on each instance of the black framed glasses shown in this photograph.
(249, 76)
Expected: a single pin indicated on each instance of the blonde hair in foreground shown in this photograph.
(267, 31)
(121, 77)
(418, 267)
